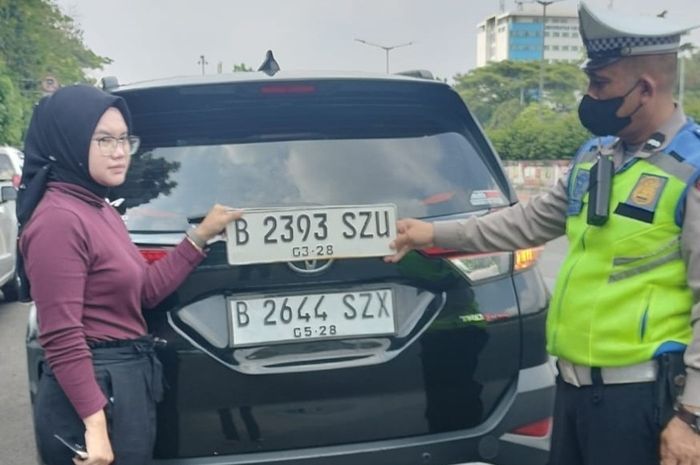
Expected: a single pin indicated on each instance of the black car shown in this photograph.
(439, 359)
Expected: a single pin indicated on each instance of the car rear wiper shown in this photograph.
(195, 219)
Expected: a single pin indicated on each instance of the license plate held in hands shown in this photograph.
(293, 234)
(275, 319)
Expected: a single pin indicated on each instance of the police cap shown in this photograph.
(609, 36)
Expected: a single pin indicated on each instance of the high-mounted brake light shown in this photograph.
(153, 255)
(538, 429)
(288, 89)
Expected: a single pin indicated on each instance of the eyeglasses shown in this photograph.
(108, 144)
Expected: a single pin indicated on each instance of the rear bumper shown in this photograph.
(531, 399)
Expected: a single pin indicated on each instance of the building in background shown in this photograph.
(517, 35)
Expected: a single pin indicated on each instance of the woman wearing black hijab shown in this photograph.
(101, 378)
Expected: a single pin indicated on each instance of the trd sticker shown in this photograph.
(472, 318)
(484, 317)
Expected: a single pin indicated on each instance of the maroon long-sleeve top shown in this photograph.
(90, 283)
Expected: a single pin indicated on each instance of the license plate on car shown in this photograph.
(294, 234)
(266, 320)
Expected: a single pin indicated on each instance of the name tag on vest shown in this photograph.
(642, 201)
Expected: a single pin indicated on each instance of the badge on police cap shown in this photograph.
(609, 36)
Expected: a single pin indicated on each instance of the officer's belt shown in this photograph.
(580, 375)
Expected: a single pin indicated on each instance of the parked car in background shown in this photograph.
(11, 160)
(439, 359)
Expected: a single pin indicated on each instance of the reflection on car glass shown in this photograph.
(423, 176)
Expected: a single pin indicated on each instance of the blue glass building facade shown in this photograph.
(525, 41)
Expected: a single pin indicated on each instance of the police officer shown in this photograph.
(626, 307)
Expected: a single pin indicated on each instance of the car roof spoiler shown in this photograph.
(417, 73)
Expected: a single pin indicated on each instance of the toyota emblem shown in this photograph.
(310, 266)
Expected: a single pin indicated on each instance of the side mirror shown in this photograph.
(7, 193)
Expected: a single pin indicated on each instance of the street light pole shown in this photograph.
(202, 62)
(545, 4)
(685, 48)
(386, 49)
(681, 83)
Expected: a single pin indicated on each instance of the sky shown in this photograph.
(149, 39)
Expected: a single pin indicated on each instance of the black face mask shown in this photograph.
(600, 116)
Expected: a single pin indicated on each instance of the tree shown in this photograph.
(691, 93)
(37, 39)
(539, 133)
(504, 114)
(11, 106)
(485, 89)
(148, 178)
(242, 67)
(504, 97)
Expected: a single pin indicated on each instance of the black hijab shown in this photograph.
(57, 144)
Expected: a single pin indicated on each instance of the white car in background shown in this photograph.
(11, 161)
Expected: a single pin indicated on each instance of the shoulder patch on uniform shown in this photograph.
(577, 192)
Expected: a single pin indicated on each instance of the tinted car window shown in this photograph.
(423, 176)
(305, 143)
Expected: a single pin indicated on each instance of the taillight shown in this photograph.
(16, 180)
(538, 429)
(153, 255)
(287, 89)
(483, 266)
(526, 258)
(478, 267)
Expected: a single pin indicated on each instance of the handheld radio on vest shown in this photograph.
(599, 190)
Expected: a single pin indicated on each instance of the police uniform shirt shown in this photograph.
(543, 218)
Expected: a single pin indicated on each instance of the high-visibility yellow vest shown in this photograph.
(622, 290)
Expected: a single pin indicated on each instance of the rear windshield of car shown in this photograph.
(308, 154)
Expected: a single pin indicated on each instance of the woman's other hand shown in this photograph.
(97, 443)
